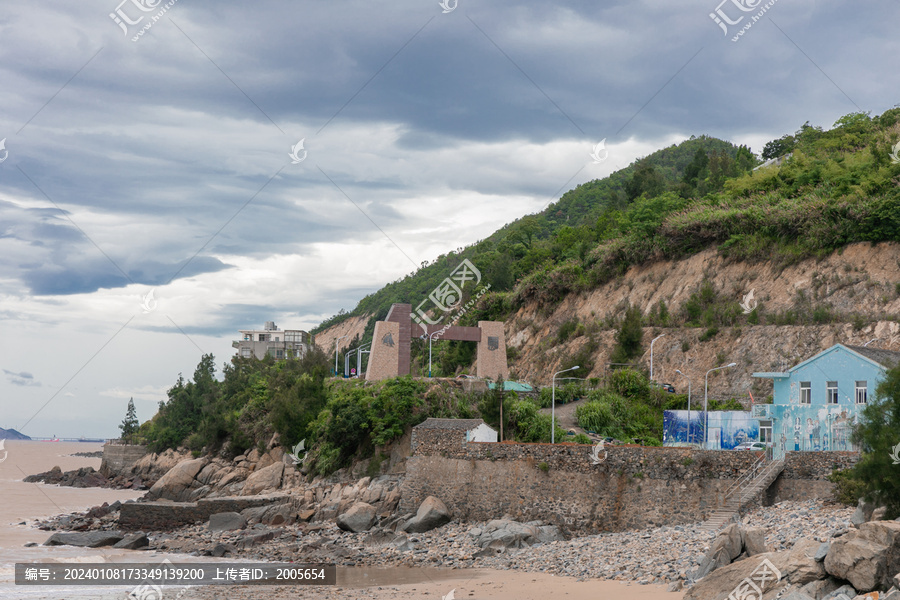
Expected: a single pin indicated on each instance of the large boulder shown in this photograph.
(266, 479)
(727, 546)
(179, 481)
(89, 539)
(359, 517)
(868, 558)
(226, 521)
(796, 566)
(753, 540)
(432, 513)
(500, 534)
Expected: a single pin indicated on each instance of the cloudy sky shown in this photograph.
(151, 152)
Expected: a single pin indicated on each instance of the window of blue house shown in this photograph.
(861, 392)
(831, 392)
(805, 392)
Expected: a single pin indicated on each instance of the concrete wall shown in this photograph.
(120, 458)
(161, 516)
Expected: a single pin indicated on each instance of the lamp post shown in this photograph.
(336, 340)
(431, 337)
(689, 404)
(651, 354)
(553, 405)
(705, 397)
(870, 341)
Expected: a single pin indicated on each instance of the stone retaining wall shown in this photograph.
(633, 487)
(161, 516)
(119, 458)
(805, 473)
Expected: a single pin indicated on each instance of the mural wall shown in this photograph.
(804, 427)
(727, 428)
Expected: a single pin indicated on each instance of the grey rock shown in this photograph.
(133, 541)
(822, 552)
(867, 558)
(31, 544)
(432, 513)
(845, 590)
(820, 588)
(248, 541)
(359, 517)
(753, 540)
(90, 539)
(227, 521)
(502, 533)
(220, 550)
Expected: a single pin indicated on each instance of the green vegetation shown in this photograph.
(837, 187)
(876, 477)
(130, 424)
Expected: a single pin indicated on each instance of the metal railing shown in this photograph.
(745, 479)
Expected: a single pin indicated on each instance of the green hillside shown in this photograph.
(837, 187)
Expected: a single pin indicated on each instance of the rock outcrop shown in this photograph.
(868, 558)
(179, 482)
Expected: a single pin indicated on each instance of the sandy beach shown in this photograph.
(473, 585)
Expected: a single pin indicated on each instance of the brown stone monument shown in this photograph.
(390, 361)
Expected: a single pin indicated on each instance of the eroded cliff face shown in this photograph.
(859, 284)
(352, 327)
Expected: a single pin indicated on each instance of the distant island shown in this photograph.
(12, 434)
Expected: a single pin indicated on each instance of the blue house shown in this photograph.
(817, 402)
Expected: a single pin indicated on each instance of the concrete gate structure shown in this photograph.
(390, 355)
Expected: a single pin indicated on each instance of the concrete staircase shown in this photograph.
(755, 481)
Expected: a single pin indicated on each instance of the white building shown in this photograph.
(290, 343)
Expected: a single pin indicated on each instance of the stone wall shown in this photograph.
(161, 516)
(119, 458)
(633, 487)
(805, 473)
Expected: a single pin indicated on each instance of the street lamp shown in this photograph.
(336, 340)
(651, 354)
(431, 337)
(553, 406)
(870, 341)
(706, 414)
(689, 404)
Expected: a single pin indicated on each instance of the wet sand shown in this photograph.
(482, 584)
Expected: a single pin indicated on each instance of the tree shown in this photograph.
(130, 424)
(779, 147)
(629, 337)
(878, 435)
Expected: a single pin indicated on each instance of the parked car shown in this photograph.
(466, 377)
(756, 446)
(665, 386)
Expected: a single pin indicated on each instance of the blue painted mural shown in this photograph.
(727, 428)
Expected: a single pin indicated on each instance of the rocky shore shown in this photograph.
(665, 555)
(258, 506)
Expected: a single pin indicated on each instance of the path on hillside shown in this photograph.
(565, 416)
